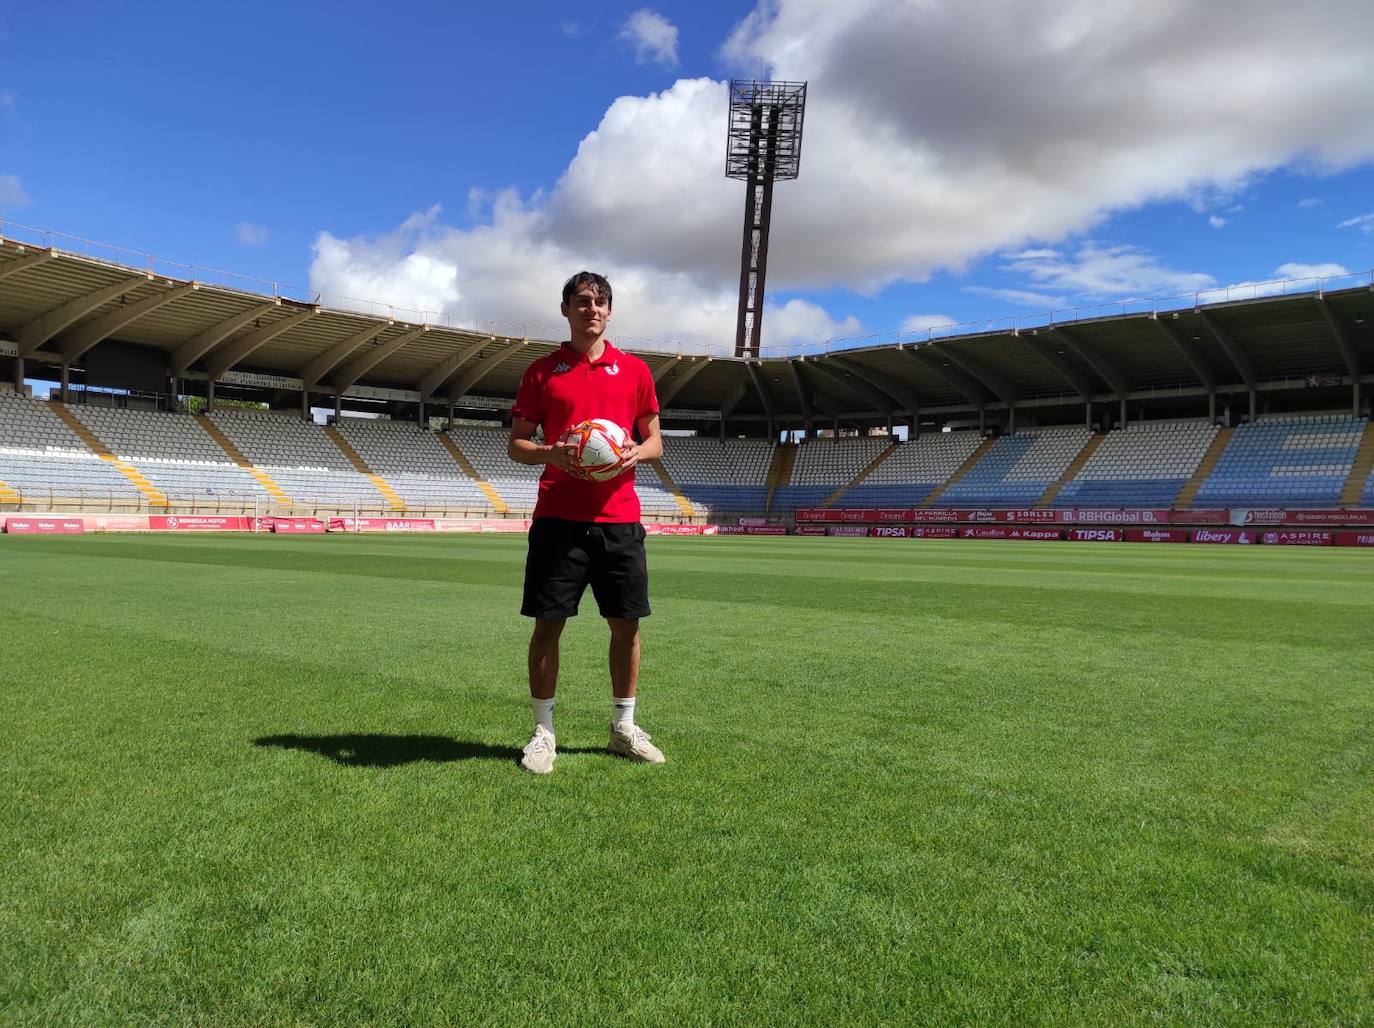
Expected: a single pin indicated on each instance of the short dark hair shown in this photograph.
(587, 278)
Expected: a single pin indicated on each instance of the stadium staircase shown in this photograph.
(234, 454)
(393, 498)
(1353, 488)
(488, 490)
(683, 504)
(959, 472)
(1071, 472)
(873, 466)
(152, 495)
(1188, 493)
(779, 471)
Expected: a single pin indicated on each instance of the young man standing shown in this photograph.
(585, 532)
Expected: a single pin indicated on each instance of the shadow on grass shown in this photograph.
(375, 750)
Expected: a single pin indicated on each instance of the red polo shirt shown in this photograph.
(565, 388)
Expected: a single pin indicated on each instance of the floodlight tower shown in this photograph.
(763, 144)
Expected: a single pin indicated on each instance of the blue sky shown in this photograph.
(962, 161)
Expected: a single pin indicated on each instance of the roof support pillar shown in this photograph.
(1348, 354)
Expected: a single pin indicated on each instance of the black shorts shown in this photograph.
(567, 556)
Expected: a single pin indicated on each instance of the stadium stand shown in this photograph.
(173, 452)
(1285, 461)
(299, 457)
(825, 465)
(1145, 464)
(720, 476)
(516, 485)
(1017, 469)
(41, 457)
(413, 461)
(913, 471)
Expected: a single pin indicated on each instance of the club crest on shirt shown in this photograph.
(613, 369)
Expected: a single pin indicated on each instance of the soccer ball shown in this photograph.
(598, 444)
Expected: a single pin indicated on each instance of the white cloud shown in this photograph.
(1108, 271)
(1364, 222)
(1216, 221)
(1006, 151)
(572, 28)
(1293, 270)
(8, 102)
(12, 192)
(1308, 202)
(1020, 297)
(249, 234)
(652, 36)
(925, 322)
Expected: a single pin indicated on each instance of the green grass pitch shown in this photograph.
(251, 780)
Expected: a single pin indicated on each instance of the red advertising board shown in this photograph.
(198, 523)
(673, 529)
(889, 516)
(117, 523)
(1223, 535)
(45, 526)
(1354, 538)
(890, 531)
(935, 516)
(807, 514)
(751, 529)
(1361, 516)
(1095, 535)
(383, 525)
(1298, 537)
(1117, 517)
(849, 530)
(1010, 532)
(857, 515)
(1202, 517)
(1156, 535)
(810, 530)
(934, 531)
(1244, 516)
(296, 526)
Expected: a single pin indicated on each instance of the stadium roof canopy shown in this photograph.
(61, 310)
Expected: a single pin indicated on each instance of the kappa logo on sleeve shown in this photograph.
(561, 367)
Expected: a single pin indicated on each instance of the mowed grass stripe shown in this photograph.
(249, 794)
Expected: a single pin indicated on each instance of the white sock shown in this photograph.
(543, 712)
(622, 711)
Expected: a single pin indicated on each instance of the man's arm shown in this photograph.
(522, 448)
(652, 446)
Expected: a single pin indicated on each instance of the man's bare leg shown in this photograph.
(544, 658)
(539, 754)
(627, 739)
(624, 657)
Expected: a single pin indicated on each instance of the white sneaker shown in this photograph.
(539, 752)
(634, 743)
